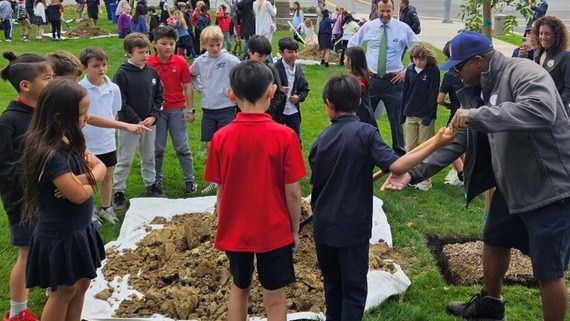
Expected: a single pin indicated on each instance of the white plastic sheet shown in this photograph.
(381, 285)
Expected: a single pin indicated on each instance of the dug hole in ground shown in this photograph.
(164, 266)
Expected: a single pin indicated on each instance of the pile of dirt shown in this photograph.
(85, 31)
(313, 53)
(464, 261)
(182, 276)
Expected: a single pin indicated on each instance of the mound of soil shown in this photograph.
(313, 53)
(85, 31)
(182, 276)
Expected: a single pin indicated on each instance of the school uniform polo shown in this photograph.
(253, 158)
(342, 160)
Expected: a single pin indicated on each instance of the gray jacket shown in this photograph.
(528, 131)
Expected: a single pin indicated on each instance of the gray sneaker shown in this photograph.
(190, 187)
(108, 215)
(119, 202)
(479, 308)
(95, 218)
(155, 190)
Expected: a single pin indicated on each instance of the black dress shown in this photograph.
(65, 246)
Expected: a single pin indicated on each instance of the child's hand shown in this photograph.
(189, 117)
(201, 90)
(149, 121)
(296, 241)
(294, 99)
(396, 182)
(285, 89)
(444, 137)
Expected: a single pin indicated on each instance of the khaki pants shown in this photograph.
(26, 27)
(416, 133)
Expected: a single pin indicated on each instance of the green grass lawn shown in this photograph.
(412, 214)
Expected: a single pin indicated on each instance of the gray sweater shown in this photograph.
(212, 76)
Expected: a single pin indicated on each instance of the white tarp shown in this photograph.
(381, 285)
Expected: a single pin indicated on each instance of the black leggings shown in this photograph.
(56, 28)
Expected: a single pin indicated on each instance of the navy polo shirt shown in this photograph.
(342, 160)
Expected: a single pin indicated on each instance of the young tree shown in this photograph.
(470, 12)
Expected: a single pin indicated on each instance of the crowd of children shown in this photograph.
(243, 107)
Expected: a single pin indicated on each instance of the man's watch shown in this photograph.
(190, 111)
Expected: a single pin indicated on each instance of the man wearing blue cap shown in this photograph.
(514, 133)
(387, 40)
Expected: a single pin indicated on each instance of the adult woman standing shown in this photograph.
(264, 18)
(550, 38)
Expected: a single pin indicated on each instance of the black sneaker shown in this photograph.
(119, 202)
(155, 190)
(480, 308)
(190, 187)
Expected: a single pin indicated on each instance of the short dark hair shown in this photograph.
(288, 43)
(92, 53)
(204, 9)
(151, 9)
(164, 32)
(259, 44)
(407, 2)
(343, 91)
(24, 67)
(250, 79)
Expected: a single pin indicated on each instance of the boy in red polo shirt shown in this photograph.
(178, 107)
(250, 152)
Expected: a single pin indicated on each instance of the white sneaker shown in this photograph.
(452, 175)
(452, 178)
(424, 186)
(108, 215)
(209, 188)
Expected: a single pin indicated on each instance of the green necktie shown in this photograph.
(382, 52)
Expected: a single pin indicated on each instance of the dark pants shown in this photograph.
(294, 122)
(108, 9)
(7, 26)
(391, 94)
(56, 29)
(344, 271)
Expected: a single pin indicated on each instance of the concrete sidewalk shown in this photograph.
(438, 34)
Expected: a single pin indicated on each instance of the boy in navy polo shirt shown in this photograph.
(342, 160)
(250, 152)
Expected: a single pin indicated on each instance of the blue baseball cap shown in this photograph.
(464, 46)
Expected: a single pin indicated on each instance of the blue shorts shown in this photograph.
(21, 233)
(214, 119)
(274, 268)
(543, 234)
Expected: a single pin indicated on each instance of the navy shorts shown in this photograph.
(543, 234)
(214, 119)
(21, 233)
(109, 159)
(274, 268)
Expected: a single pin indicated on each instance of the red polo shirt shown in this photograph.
(253, 158)
(174, 74)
